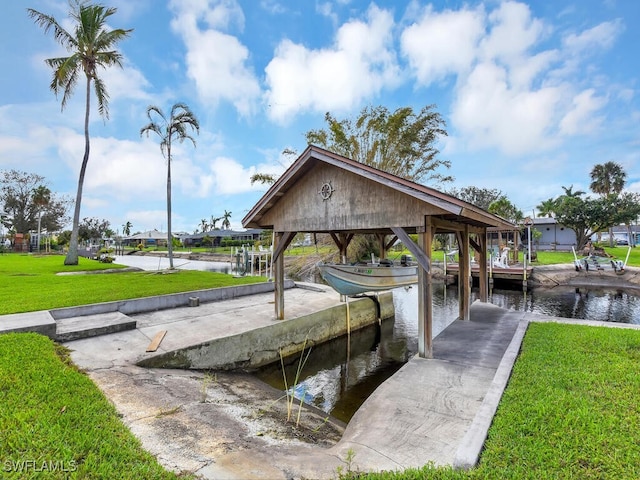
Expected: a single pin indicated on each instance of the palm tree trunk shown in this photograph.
(169, 236)
(72, 254)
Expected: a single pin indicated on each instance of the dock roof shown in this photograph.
(326, 192)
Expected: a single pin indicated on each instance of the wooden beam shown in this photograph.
(439, 224)
(284, 242)
(336, 240)
(393, 240)
(421, 257)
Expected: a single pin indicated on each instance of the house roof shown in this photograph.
(222, 233)
(155, 234)
(377, 182)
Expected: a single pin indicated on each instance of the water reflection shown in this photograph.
(338, 382)
(596, 304)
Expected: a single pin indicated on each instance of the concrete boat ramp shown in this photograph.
(432, 410)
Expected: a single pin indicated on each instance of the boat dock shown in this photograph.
(431, 410)
(514, 274)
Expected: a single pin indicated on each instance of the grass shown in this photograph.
(36, 278)
(570, 411)
(56, 424)
(554, 258)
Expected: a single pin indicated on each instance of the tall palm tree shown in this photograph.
(91, 46)
(126, 228)
(608, 179)
(169, 129)
(204, 225)
(226, 224)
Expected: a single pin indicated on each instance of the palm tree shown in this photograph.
(607, 179)
(568, 191)
(226, 224)
(126, 228)
(204, 225)
(92, 47)
(41, 198)
(169, 129)
(214, 220)
(547, 208)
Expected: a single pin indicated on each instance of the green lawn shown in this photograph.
(32, 282)
(56, 424)
(553, 258)
(570, 410)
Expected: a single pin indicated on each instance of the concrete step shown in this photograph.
(75, 328)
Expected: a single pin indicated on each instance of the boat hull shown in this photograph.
(356, 279)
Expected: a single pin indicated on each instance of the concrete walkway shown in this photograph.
(435, 410)
(432, 410)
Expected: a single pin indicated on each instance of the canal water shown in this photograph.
(338, 376)
(338, 379)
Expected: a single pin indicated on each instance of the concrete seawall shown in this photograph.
(161, 302)
(257, 347)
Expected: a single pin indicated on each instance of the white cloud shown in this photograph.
(488, 112)
(359, 65)
(444, 43)
(512, 32)
(582, 118)
(117, 168)
(509, 94)
(216, 61)
(602, 36)
(125, 83)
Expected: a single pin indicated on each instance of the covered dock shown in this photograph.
(323, 192)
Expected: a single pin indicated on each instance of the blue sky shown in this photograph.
(534, 93)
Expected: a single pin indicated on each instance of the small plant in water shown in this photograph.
(290, 391)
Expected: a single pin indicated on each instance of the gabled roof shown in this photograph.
(155, 234)
(453, 209)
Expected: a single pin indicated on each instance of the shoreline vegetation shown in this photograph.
(566, 413)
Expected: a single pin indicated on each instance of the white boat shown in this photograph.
(367, 277)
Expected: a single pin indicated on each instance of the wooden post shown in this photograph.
(425, 297)
(278, 278)
(483, 280)
(464, 262)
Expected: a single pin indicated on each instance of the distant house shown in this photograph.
(150, 238)
(621, 235)
(219, 235)
(555, 236)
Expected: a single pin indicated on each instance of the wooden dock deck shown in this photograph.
(515, 273)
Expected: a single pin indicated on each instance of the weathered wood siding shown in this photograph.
(357, 203)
